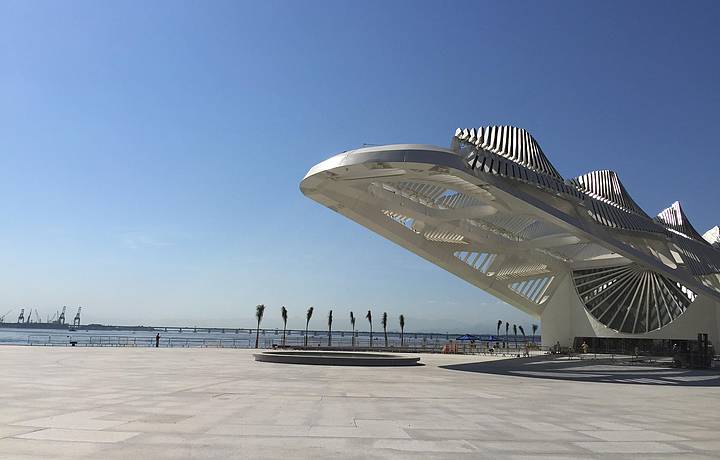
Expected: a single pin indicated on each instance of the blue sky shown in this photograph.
(150, 152)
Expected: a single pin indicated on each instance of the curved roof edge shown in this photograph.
(515, 144)
(605, 185)
(674, 218)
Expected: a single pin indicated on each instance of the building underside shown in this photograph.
(579, 254)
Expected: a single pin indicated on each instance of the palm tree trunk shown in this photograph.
(257, 335)
(284, 336)
(370, 335)
(402, 337)
(306, 333)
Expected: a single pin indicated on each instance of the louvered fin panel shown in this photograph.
(440, 236)
(521, 270)
(512, 143)
(698, 262)
(631, 298)
(533, 289)
(613, 216)
(605, 185)
(582, 251)
(434, 196)
(405, 221)
(514, 224)
(674, 218)
(712, 236)
(515, 156)
(480, 261)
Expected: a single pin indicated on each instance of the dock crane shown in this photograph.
(37, 317)
(61, 318)
(76, 320)
(21, 316)
(2, 318)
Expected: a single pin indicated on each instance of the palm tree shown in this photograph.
(352, 323)
(534, 329)
(402, 330)
(283, 313)
(384, 325)
(515, 335)
(522, 331)
(498, 331)
(259, 312)
(330, 329)
(507, 338)
(369, 318)
(308, 315)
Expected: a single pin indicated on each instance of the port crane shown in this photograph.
(61, 318)
(76, 320)
(2, 318)
(21, 316)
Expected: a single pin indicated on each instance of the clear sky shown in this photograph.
(150, 152)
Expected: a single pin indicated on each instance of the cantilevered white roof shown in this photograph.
(493, 210)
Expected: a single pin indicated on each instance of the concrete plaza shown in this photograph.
(125, 403)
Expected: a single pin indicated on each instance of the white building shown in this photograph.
(579, 254)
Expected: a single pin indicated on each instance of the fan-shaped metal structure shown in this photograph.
(630, 298)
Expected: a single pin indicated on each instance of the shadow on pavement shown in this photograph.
(590, 370)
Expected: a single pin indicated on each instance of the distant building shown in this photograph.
(579, 254)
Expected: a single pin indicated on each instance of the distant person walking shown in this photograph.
(157, 341)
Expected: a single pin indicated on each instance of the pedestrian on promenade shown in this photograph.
(157, 341)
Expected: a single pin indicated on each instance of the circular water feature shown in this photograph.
(336, 358)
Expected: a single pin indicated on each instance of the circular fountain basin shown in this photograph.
(336, 358)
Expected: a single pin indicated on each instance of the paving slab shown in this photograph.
(120, 403)
(633, 435)
(641, 447)
(92, 436)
